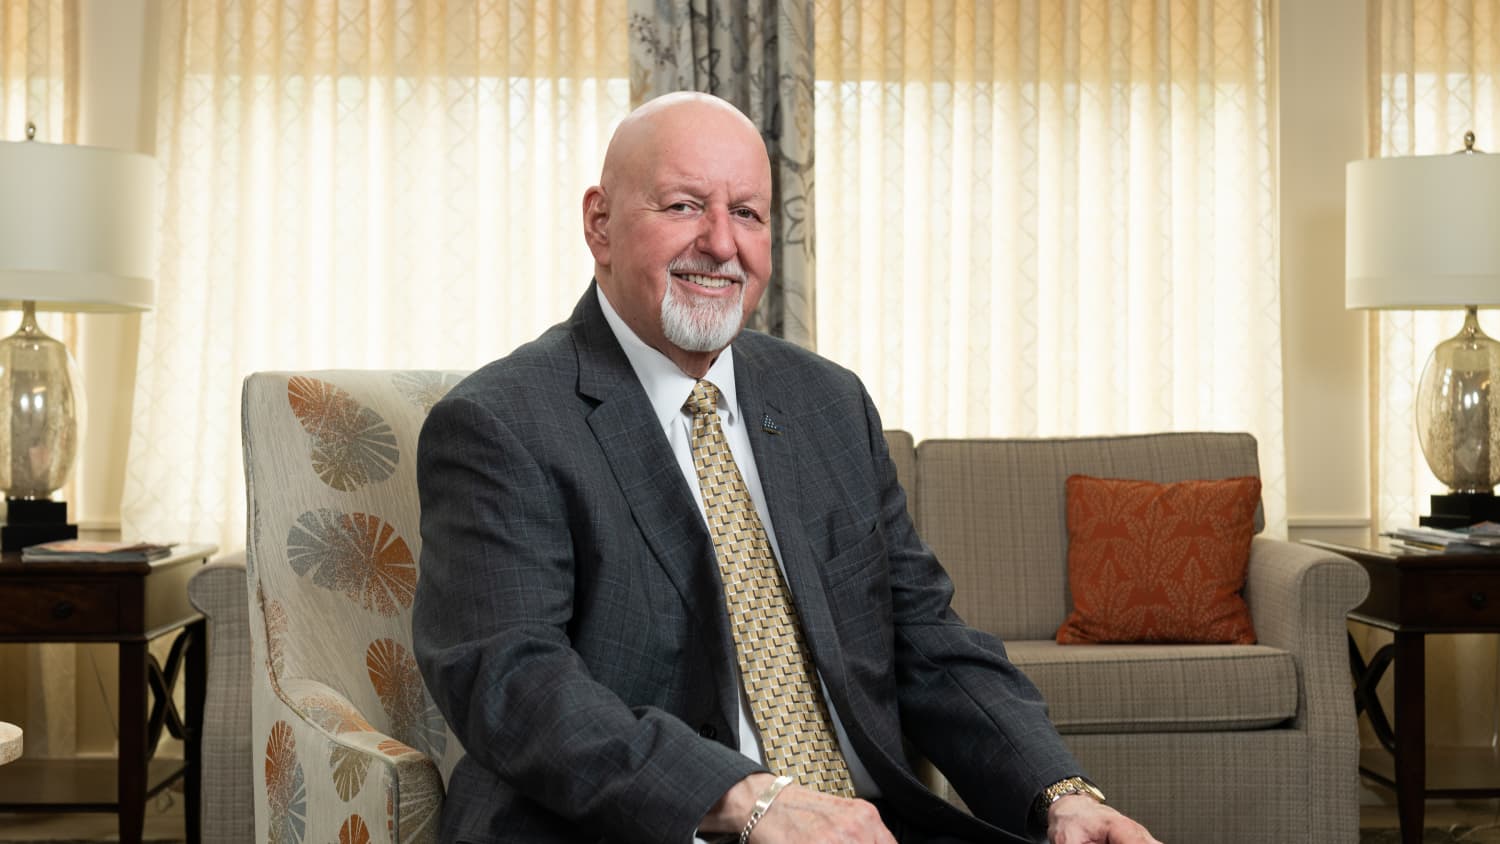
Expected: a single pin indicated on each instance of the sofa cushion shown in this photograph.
(1160, 688)
(1165, 563)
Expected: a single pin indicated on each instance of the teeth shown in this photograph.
(705, 281)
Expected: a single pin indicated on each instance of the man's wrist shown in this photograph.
(728, 816)
(763, 804)
(1066, 787)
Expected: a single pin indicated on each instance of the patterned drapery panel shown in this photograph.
(759, 56)
(355, 183)
(1053, 218)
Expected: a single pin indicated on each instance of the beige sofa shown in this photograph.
(1203, 743)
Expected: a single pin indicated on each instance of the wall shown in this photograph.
(118, 74)
(1324, 347)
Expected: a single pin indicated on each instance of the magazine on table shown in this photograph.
(1484, 536)
(79, 550)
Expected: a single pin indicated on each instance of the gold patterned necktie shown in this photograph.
(781, 683)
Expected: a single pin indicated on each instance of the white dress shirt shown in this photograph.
(668, 389)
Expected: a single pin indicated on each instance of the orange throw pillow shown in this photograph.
(1151, 562)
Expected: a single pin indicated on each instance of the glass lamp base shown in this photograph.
(31, 521)
(1461, 509)
(1458, 410)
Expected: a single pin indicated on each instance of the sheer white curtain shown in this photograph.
(360, 183)
(1052, 217)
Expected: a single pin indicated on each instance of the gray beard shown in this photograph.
(700, 326)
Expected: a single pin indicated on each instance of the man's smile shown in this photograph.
(707, 282)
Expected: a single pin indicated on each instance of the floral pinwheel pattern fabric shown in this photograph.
(355, 749)
(351, 445)
(423, 388)
(286, 790)
(354, 831)
(414, 717)
(355, 554)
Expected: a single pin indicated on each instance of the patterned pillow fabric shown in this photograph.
(1150, 562)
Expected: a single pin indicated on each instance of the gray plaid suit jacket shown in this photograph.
(570, 624)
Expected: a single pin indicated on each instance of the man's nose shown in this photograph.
(717, 237)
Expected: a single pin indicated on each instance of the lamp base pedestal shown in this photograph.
(32, 521)
(1461, 509)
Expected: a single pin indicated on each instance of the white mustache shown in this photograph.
(731, 268)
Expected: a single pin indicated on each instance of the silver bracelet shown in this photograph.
(762, 803)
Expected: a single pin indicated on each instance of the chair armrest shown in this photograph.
(317, 748)
(227, 810)
(1298, 597)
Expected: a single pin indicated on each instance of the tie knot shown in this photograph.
(704, 400)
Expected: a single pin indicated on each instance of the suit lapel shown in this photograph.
(626, 429)
(774, 438)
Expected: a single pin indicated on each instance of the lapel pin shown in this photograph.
(769, 425)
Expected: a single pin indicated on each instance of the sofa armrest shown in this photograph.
(1298, 597)
(227, 809)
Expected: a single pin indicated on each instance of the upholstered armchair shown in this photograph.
(345, 742)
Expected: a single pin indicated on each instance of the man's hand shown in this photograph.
(1080, 819)
(799, 815)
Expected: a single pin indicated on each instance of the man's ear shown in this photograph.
(596, 224)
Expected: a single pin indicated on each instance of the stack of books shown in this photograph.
(1483, 537)
(77, 550)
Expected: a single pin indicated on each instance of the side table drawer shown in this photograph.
(60, 608)
(1461, 602)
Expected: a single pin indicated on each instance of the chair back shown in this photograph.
(332, 549)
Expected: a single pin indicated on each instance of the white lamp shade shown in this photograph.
(77, 227)
(1423, 232)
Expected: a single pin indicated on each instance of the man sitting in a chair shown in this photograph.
(669, 588)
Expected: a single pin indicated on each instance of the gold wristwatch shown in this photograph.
(1060, 789)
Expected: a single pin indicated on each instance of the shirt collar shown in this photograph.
(668, 387)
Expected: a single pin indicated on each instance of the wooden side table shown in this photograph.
(129, 604)
(1414, 594)
(10, 742)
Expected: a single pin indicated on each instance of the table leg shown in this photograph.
(1411, 734)
(131, 773)
(197, 683)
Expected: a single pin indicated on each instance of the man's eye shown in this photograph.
(680, 206)
(747, 213)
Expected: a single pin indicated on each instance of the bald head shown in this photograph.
(680, 225)
(647, 133)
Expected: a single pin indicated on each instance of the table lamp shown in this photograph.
(76, 234)
(1424, 232)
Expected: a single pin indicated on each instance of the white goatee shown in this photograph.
(702, 324)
